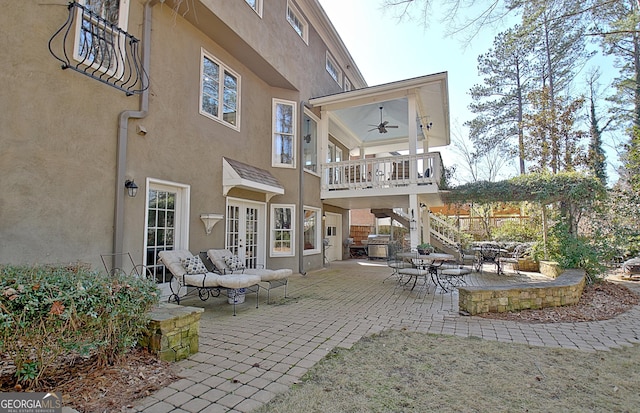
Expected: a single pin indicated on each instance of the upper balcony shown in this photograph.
(382, 182)
(389, 132)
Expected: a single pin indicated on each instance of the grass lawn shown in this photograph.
(399, 371)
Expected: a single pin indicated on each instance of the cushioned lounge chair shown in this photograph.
(225, 262)
(189, 271)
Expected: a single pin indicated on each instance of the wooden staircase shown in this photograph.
(444, 236)
(390, 213)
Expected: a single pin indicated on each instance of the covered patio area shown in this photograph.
(244, 361)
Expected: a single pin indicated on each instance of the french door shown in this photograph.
(246, 231)
(167, 228)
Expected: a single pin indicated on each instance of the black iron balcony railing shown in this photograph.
(95, 47)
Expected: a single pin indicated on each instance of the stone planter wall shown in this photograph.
(550, 269)
(565, 290)
(528, 265)
(173, 331)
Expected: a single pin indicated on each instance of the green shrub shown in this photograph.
(50, 315)
(513, 231)
(574, 251)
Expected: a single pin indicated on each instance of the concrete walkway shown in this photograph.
(244, 361)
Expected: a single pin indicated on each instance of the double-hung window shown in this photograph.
(282, 230)
(219, 92)
(98, 44)
(310, 142)
(284, 132)
(333, 69)
(299, 24)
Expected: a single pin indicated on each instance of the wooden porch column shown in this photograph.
(412, 130)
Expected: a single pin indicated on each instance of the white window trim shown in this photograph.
(334, 63)
(223, 68)
(274, 161)
(319, 230)
(123, 21)
(305, 25)
(258, 8)
(272, 241)
(347, 84)
(318, 159)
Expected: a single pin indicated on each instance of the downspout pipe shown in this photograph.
(123, 131)
(301, 193)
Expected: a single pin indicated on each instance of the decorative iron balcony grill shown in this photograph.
(93, 46)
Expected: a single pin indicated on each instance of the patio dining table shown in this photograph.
(426, 262)
(489, 253)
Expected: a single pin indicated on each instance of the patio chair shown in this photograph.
(415, 272)
(128, 267)
(396, 263)
(464, 257)
(516, 255)
(225, 262)
(188, 270)
(452, 274)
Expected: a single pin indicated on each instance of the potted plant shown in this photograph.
(425, 248)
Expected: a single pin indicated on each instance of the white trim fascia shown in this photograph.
(390, 90)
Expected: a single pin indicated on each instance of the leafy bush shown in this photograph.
(516, 232)
(574, 252)
(50, 315)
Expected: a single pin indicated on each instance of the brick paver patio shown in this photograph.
(244, 361)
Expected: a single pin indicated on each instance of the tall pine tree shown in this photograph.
(499, 102)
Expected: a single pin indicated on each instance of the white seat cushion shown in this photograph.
(173, 261)
(456, 271)
(209, 279)
(270, 275)
(235, 281)
(217, 258)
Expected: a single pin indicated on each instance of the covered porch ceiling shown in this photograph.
(354, 115)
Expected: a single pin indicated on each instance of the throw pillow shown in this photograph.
(193, 265)
(234, 263)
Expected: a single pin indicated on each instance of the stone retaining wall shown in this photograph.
(550, 268)
(564, 290)
(173, 331)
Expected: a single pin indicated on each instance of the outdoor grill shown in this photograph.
(378, 246)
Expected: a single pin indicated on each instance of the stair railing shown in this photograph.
(443, 230)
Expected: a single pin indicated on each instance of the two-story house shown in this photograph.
(143, 125)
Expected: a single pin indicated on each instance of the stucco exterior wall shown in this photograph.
(59, 129)
(58, 146)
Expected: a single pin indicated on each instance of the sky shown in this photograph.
(386, 50)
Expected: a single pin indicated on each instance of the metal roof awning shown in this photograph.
(236, 174)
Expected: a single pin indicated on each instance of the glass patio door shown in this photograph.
(166, 226)
(245, 231)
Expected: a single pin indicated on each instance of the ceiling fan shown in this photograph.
(382, 127)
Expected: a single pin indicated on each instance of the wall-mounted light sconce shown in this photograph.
(209, 220)
(132, 188)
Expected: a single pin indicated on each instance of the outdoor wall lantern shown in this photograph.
(209, 220)
(132, 188)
